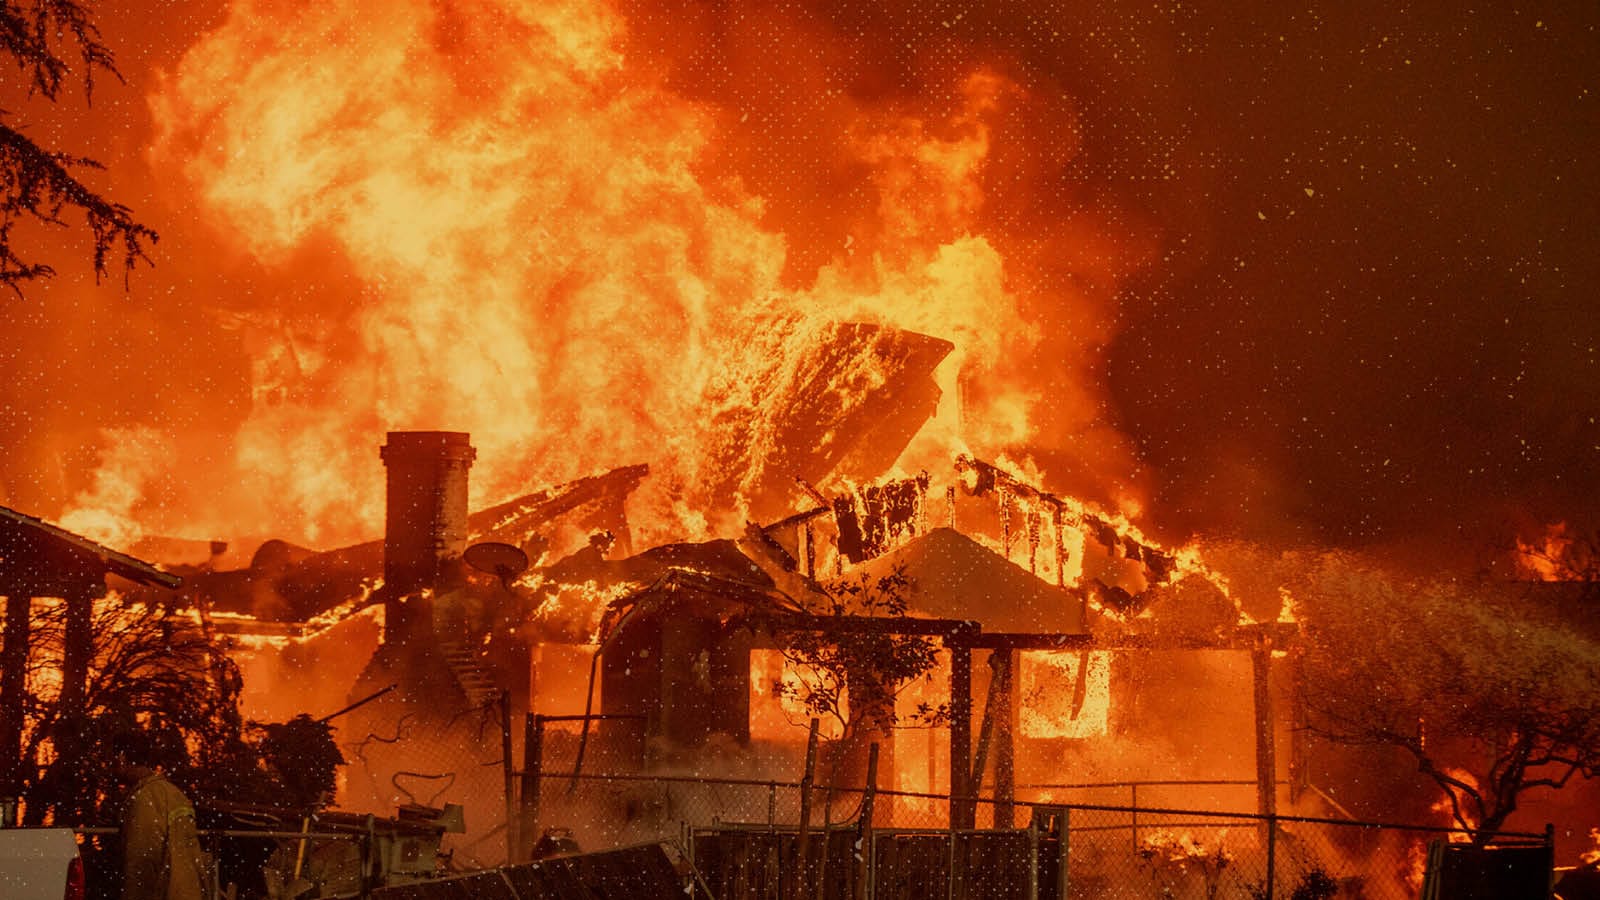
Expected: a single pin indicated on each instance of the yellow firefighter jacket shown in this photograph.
(161, 858)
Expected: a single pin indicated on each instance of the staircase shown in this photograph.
(471, 674)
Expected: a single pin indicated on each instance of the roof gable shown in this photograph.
(14, 524)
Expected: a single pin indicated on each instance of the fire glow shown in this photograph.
(779, 271)
(540, 241)
(1557, 555)
(1065, 695)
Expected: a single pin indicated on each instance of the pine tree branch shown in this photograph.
(38, 184)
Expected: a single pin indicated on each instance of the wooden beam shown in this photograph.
(799, 518)
(86, 554)
(1245, 637)
(952, 630)
(1299, 776)
(1003, 640)
(1266, 764)
(528, 794)
(963, 811)
(78, 648)
(980, 760)
(1005, 764)
(13, 699)
(1002, 478)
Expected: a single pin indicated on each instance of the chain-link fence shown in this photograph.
(745, 837)
(584, 784)
(1132, 852)
(1116, 852)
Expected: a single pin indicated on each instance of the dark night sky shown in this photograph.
(1362, 307)
(1370, 315)
(1415, 346)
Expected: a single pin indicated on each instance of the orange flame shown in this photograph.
(1444, 807)
(1065, 695)
(506, 223)
(106, 511)
(1557, 555)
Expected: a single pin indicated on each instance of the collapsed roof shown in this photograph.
(284, 583)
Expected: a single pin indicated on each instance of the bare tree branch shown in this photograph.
(1509, 701)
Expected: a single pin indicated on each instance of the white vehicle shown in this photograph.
(40, 864)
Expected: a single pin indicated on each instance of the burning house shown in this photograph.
(678, 650)
(1024, 311)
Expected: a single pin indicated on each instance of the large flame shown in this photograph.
(107, 510)
(1065, 695)
(504, 221)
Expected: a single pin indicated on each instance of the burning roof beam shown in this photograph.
(845, 406)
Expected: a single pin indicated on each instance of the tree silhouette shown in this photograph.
(150, 672)
(53, 43)
(1488, 698)
(854, 677)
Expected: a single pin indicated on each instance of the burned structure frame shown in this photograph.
(41, 560)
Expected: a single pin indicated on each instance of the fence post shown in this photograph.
(370, 866)
(827, 840)
(1550, 848)
(1272, 855)
(532, 764)
(1033, 858)
(864, 842)
(508, 766)
(1005, 756)
(772, 878)
(950, 868)
(1266, 753)
(802, 851)
(1133, 814)
(1063, 848)
(963, 809)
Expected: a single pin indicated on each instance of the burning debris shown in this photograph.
(675, 625)
(690, 655)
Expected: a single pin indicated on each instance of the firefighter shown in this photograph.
(161, 856)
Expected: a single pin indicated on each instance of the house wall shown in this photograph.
(630, 674)
(688, 675)
(705, 681)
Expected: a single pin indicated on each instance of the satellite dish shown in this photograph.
(503, 561)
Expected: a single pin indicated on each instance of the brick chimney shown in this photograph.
(425, 527)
